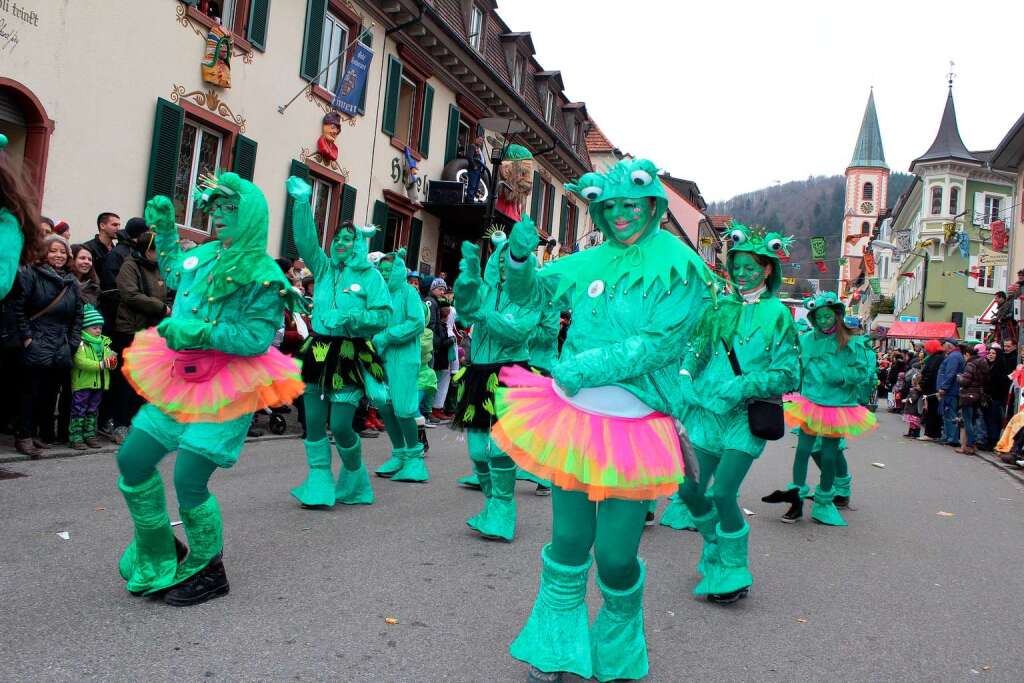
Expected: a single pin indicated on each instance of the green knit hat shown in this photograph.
(91, 317)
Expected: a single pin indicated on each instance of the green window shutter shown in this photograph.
(428, 109)
(412, 258)
(389, 122)
(380, 219)
(549, 213)
(163, 153)
(563, 221)
(315, 11)
(348, 204)
(575, 225)
(535, 205)
(259, 13)
(244, 158)
(288, 249)
(451, 143)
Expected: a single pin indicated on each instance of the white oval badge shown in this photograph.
(596, 288)
(355, 287)
(190, 263)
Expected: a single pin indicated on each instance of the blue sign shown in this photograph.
(908, 319)
(352, 84)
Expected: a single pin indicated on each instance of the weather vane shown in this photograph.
(952, 74)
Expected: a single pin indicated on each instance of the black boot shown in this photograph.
(211, 582)
(796, 506)
(538, 676)
(777, 496)
(421, 436)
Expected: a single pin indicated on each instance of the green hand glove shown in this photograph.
(338, 318)
(524, 240)
(159, 214)
(184, 334)
(469, 265)
(725, 395)
(298, 189)
(568, 377)
(380, 342)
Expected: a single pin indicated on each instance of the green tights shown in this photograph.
(612, 528)
(828, 457)
(485, 453)
(141, 453)
(728, 472)
(341, 414)
(401, 430)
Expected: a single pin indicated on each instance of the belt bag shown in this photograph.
(198, 365)
(764, 415)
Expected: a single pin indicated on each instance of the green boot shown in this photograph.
(318, 489)
(392, 464)
(499, 522)
(205, 535)
(471, 481)
(414, 468)
(353, 485)
(89, 432)
(76, 432)
(484, 479)
(677, 515)
(731, 574)
(824, 510)
(617, 644)
(556, 638)
(705, 525)
(149, 563)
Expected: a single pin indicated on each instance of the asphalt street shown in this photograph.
(902, 593)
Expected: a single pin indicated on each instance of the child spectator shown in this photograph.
(911, 410)
(90, 377)
(899, 392)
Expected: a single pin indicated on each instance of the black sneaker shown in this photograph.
(795, 511)
(728, 598)
(649, 519)
(543, 490)
(210, 583)
(841, 502)
(181, 551)
(538, 676)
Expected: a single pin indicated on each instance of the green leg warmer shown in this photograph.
(479, 444)
(842, 485)
(76, 429)
(318, 489)
(824, 510)
(499, 520)
(414, 468)
(618, 647)
(677, 515)
(89, 427)
(471, 481)
(353, 481)
(732, 573)
(706, 525)
(205, 537)
(149, 563)
(556, 636)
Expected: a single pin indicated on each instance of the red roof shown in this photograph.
(720, 222)
(596, 140)
(905, 330)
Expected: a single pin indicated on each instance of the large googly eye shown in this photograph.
(591, 192)
(775, 244)
(810, 305)
(738, 237)
(641, 178)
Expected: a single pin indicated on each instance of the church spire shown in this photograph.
(948, 143)
(868, 151)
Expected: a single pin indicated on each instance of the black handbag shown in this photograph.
(764, 415)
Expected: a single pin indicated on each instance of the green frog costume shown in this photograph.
(203, 370)
(602, 430)
(12, 240)
(351, 304)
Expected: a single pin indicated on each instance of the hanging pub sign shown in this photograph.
(349, 94)
(818, 248)
(988, 257)
(869, 262)
(999, 235)
(216, 66)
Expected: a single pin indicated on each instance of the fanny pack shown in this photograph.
(198, 365)
(764, 415)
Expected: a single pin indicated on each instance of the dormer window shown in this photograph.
(575, 134)
(518, 69)
(869, 191)
(549, 106)
(476, 28)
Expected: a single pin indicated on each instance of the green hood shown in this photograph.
(399, 271)
(628, 179)
(830, 299)
(771, 245)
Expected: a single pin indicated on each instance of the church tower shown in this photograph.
(867, 186)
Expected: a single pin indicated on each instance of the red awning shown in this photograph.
(906, 330)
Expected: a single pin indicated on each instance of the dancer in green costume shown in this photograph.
(756, 329)
(399, 344)
(19, 220)
(838, 376)
(602, 431)
(351, 304)
(501, 334)
(204, 370)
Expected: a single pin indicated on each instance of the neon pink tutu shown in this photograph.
(209, 385)
(601, 455)
(837, 422)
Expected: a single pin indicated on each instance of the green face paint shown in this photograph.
(627, 217)
(746, 272)
(341, 246)
(225, 220)
(825, 318)
(386, 266)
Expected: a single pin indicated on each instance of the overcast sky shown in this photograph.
(736, 95)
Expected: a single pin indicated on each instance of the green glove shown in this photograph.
(185, 334)
(298, 189)
(159, 214)
(568, 376)
(380, 342)
(523, 240)
(469, 265)
(725, 395)
(338, 318)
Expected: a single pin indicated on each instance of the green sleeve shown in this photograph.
(411, 326)
(249, 329)
(514, 328)
(83, 361)
(11, 243)
(169, 256)
(306, 242)
(783, 372)
(374, 317)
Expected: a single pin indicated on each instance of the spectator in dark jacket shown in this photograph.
(112, 266)
(929, 387)
(998, 390)
(107, 226)
(442, 342)
(972, 383)
(949, 391)
(48, 314)
(85, 274)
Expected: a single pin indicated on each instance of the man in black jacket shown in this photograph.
(442, 342)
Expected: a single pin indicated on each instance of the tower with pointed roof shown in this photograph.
(867, 186)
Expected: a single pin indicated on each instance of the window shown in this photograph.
(865, 228)
(395, 233)
(224, 11)
(408, 106)
(476, 28)
(936, 201)
(549, 106)
(571, 216)
(518, 70)
(332, 45)
(954, 200)
(575, 135)
(246, 20)
(199, 153)
(993, 205)
(986, 277)
(869, 191)
(406, 111)
(321, 201)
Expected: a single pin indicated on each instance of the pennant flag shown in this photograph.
(815, 285)
(965, 244)
(910, 275)
(818, 248)
(876, 285)
(843, 261)
(821, 266)
(869, 263)
(789, 280)
(998, 235)
(948, 230)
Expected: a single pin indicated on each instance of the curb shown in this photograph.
(62, 453)
(1015, 472)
